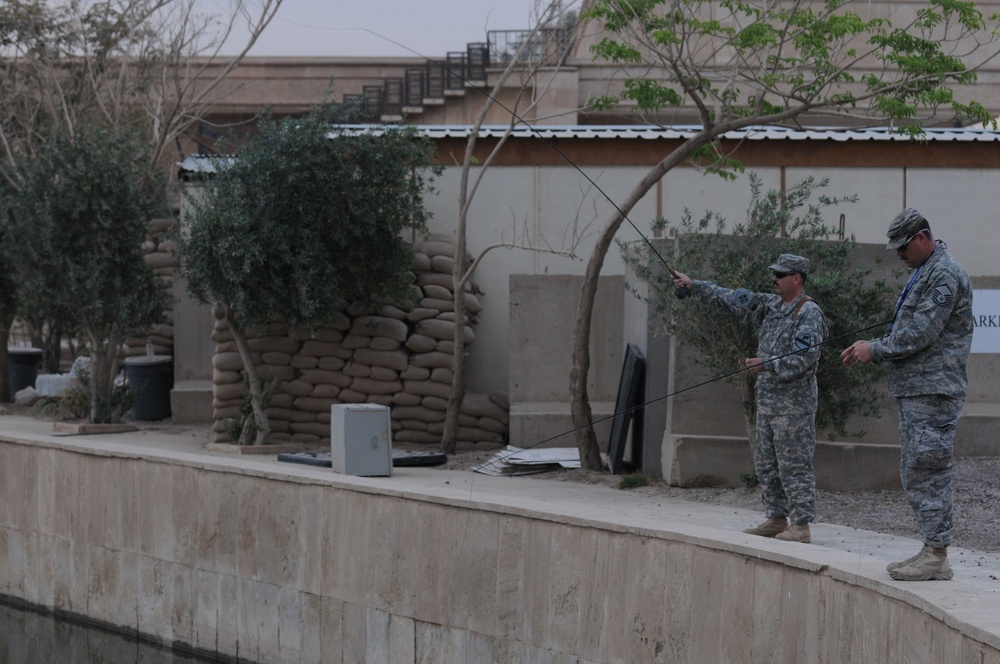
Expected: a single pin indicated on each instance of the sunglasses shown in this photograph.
(910, 239)
(782, 275)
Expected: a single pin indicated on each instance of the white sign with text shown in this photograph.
(986, 318)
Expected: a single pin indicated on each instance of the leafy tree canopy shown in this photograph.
(852, 298)
(78, 223)
(772, 61)
(304, 216)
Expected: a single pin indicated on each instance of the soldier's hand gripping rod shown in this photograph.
(681, 292)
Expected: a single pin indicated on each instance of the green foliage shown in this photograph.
(749, 480)
(790, 222)
(76, 401)
(307, 214)
(78, 222)
(634, 481)
(741, 63)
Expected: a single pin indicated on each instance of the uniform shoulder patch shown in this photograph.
(942, 295)
(803, 341)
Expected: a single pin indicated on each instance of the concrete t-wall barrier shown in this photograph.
(251, 560)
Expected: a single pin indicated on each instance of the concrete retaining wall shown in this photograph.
(249, 559)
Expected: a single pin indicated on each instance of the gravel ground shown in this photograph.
(977, 500)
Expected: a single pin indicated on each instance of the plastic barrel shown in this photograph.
(22, 365)
(151, 378)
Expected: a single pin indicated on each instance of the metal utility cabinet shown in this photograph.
(361, 439)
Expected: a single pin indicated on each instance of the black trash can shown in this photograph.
(151, 378)
(22, 368)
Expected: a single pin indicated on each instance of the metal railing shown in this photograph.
(547, 47)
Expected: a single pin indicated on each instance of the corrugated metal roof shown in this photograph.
(683, 131)
(205, 164)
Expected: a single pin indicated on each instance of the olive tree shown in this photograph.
(77, 221)
(738, 255)
(740, 63)
(305, 217)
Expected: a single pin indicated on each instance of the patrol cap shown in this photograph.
(791, 263)
(907, 223)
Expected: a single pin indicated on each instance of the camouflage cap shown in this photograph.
(907, 223)
(791, 263)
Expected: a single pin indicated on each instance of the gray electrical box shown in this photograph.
(361, 439)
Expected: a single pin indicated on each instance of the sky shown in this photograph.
(383, 27)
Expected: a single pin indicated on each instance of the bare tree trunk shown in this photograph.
(586, 440)
(103, 370)
(261, 422)
(449, 439)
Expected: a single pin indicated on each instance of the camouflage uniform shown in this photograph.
(927, 349)
(786, 396)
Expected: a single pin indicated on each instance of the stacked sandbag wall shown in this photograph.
(159, 254)
(395, 356)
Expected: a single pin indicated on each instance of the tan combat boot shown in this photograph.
(797, 533)
(931, 564)
(904, 563)
(769, 528)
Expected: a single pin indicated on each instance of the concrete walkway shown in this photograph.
(972, 597)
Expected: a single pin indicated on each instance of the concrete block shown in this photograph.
(291, 629)
(718, 461)
(700, 461)
(542, 315)
(978, 431)
(564, 586)
(594, 583)
(856, 467)
(191, 402)
(354, 637)
(208, 605)
(402, 635)
(550, 424)
(376, 636)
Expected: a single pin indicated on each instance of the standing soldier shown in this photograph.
(792, 327)
(927, 349)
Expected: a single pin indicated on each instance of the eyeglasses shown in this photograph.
(910, 239)
(782, 275)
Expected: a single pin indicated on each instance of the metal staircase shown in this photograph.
(394, 98)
